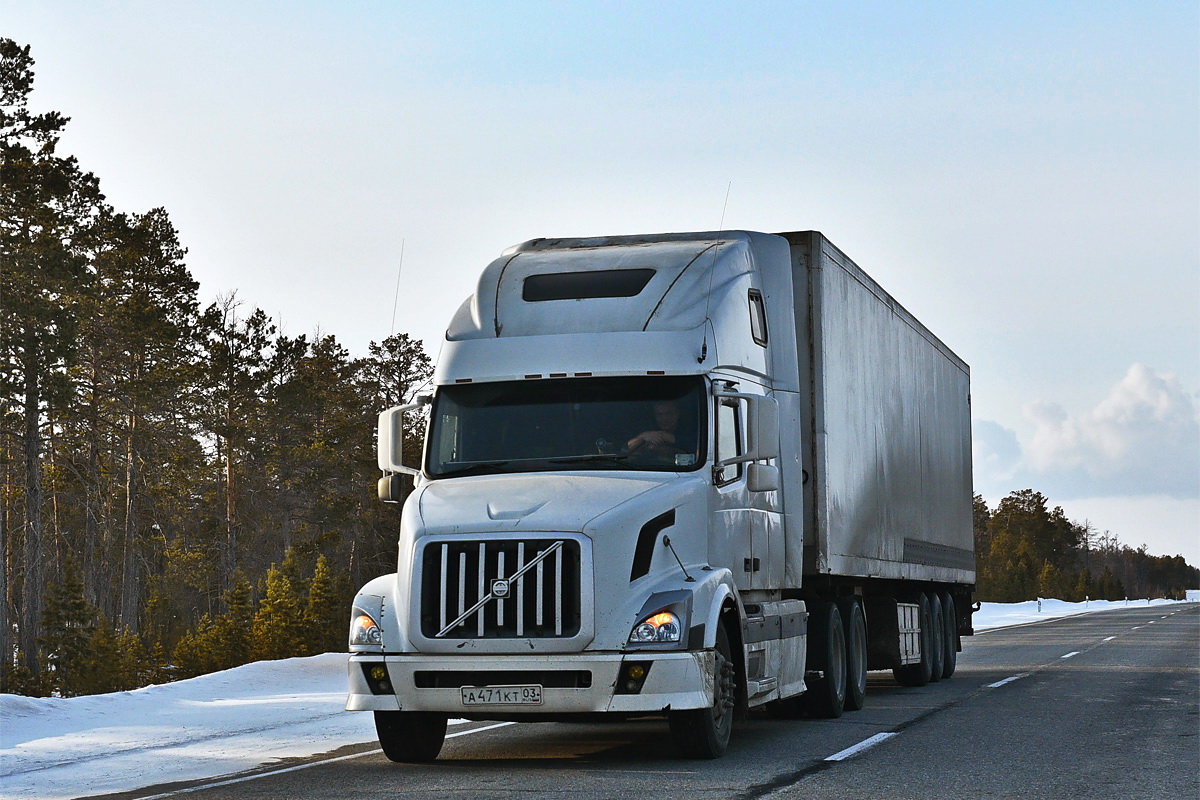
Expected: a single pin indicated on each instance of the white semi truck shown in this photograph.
(681, 475)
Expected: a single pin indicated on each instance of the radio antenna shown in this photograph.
(396, 299)
(711, 269)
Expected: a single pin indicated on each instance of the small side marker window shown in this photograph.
(758, 318)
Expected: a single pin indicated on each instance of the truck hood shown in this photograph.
(533, 501)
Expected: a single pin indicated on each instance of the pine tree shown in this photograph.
(194, 654)
(158, 665)
(1050, 582)
(47, 209)
(133, 659)
(102, 670)
(278, 630)
(232, 630)
(1085, 587)
(326, 611)
(68, 624)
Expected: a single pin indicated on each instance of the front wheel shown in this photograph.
(704, 732)
(410, 736)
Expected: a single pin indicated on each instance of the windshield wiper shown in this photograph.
(475, 468)
(589, 457)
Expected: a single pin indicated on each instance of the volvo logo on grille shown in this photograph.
(500, 588)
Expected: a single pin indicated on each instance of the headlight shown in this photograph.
(364, 630)
(661, 627)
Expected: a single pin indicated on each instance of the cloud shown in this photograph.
(995, 454)
(1143, 438)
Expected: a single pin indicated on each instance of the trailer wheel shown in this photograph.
(950, 637)
(826, 696)
(937, 637)
(856, 652)
(410, 736)
(704, 732)
(918, 674)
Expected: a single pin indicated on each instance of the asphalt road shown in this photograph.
(1105, 705)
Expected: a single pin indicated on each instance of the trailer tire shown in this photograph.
(918, 674)
(950, 637)
(826, 696)
(856, 652)
(410, 736)
(937, 637)
(705, 732)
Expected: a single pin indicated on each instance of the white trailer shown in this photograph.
(684, 475)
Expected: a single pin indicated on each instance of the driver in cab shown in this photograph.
(660, 441)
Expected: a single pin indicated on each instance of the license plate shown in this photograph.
(501, 695)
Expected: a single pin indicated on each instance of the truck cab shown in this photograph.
(608, 515)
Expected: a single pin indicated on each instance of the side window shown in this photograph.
(758, 317)
(729, 439)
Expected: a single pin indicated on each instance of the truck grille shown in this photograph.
(497, 589)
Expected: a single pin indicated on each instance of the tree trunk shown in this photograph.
(130, 589)
(5, 633)
(91, 571)
(231, 522)
(33, 584)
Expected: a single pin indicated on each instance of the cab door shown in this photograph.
(748, 531)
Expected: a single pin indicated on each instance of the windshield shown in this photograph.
(575, 423)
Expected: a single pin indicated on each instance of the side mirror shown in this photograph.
(762, 477)
(762, 425)
(390, 441)
(395, 488)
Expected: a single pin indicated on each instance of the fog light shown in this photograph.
(377, 678)
(633, 677)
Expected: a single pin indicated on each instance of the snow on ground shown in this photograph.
(236, 720)
(212, 725)
(1003, 615)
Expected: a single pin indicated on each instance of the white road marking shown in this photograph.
(1070, 655)
(1109, 639)
(298, 767)
(865, 744)
(479, 730)
(998, 684)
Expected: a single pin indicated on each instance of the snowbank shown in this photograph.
(212, 725)
(1002, 615)
(234, 721)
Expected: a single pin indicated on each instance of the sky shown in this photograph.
(228, 722)
(1024, 177)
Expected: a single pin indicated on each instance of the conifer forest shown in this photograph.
(186, 489)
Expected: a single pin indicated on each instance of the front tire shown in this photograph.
(705, 732)
(409, 737)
